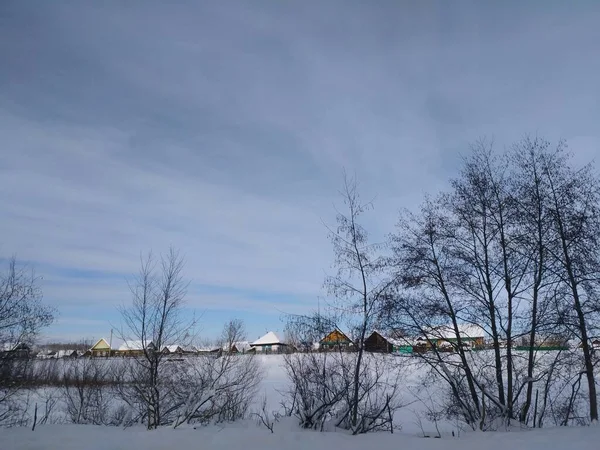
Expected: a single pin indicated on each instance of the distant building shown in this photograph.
(379, 342)
(100, 348)
(66, 354)
(208, 350)
(237, 347)
(336, 340)
(445, 336)
(134, 348)
(269, 343)
(19, 350)
(173, 350)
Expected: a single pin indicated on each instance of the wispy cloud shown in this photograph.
(222, 129)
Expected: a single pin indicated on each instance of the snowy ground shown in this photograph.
(249, 437)
(247, 434)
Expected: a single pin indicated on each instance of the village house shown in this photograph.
(544, 342)
(444, 336)
(237, 347)
(173, 350)
(269, 343)
(19, 350)
(379, 342)
(208, 350)
(134, 348)
(66, 354)
(100, 348)
(336, 340)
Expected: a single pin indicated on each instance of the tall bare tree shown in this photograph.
(360, 284)
(155, 319)
(575, 214)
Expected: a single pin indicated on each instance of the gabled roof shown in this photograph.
(240, 346)
(339, 333)
(268, 339)
(394, 341)
(172, 348)
(101, 340)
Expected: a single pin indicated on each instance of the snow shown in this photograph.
(241, 346)
(268, 339)
(133, 345)
(286, 435)
(172, 348)
(465, 330)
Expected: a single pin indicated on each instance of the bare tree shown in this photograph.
(512, 247)
(22, 316)
(22, 313)
(360, 284)
(155, 319)
(85, 390)
(575, 212)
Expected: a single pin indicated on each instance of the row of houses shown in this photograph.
(396, 342)
(102, 348)
(442, 338)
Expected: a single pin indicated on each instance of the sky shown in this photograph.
(223, 129)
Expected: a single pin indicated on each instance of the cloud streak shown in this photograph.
(223, 128)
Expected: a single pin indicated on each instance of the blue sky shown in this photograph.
(222, 128)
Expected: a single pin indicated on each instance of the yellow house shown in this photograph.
(100, 348)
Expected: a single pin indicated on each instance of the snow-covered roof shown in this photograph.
(241, 346)
(172, 348)
(14, 347)
(206, 349)
(268, 339)
(447, 331)
(63, 353)
(134, 345)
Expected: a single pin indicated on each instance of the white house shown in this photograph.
(269, 343)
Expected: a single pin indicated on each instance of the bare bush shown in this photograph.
(85, 385)
(321, 393)
(217, 388)
(318, 386)
(264, 417)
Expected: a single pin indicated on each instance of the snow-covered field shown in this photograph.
(247, 434)
(250, 437)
